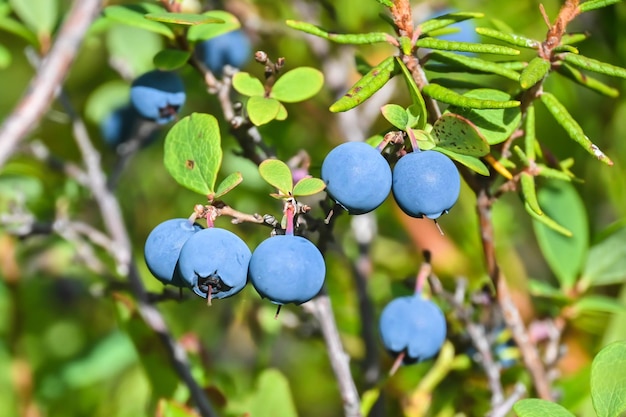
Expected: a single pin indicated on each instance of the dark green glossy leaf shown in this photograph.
(39, 15)
(536, 70)
(462, 63)
(396, 115)
(594, 65)
(418, 109)
(308, 186)
(456, 133)
(185, 19)
(585, 80)
(171, 59)
(510, 38)
(354, 39)
(367, 85)
(133, 15)
(248, 85)
(446, 20)
(564, 254)
(608, 387)
(203, 32)
(297, 85)
(193, 152)
(477, 48)
(445, 95)
(535, 407)
(262, 110)
(228, 184)
(277, 174)
(606, 261)
(471, 162)
(596, 4)
(571, 126)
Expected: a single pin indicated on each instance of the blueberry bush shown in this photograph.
(301, 208)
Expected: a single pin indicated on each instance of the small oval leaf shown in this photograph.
(297, 85)
(171, 59)
(535, 407)
(186, 19)
(446, 95)
(277, 174)
(203, 32)
(471, 162)
(228, 184)
(308, 186)
(248, 85)
(262, 110)
(608, 389)
(396, 115)
(536, 70)
(133, 15)
(455, 133)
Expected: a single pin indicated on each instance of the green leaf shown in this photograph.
(282, 113)
(277, 174)
(543, 289)
(367, 85)
(477, 48)
(530, 193)
(595, 303)
(418, 109)
(387, 3)
(608, 380)
(596, 4)
(171, 59)
(442, 21)
(186, 19)
(445, 95)
(536, 70)
(456, 133)
(106, 98)
(595, 65)
(193, 152)
(606, 261)
(248, 85)
(461, 62)
(8, 24)
(228, 184)
(297, 85)
(135, 48)
(5, 57)
(368, 399)
(530, 138)
(39, 15)
(510, 38)
(535, 407)
(396, 115)
(262, 110)
(496, 125)
(585, 80)
(571, 126)
(573, 38)
(564, 254)
(353, 39)
(273, 396)
(308, 186)
(133, 15)
(171, 408)
(471, 162)
(203, 32)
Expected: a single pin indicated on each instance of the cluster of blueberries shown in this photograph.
(158, 96)
(216, 263)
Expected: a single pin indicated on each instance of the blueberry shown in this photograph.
(287, 269)
(426, 183)
(118, 126)
(232, 48)
(158, 95)
(412, 325)
(163, 246)
(214, 263)
(357, 177)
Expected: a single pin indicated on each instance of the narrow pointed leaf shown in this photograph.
(456, 133)
(8, 24)
(203, 32)
(585, 80)
(536, 70)
(573, 38)
(510, 38)
(571, 126)
(594, 65)
(228, 184)
(396, 115)
(171, 59)
(185, 19)
(567, 48)
(387, 3)
(596, 4)
(471, 162)
(353, 39)
(478, 48)
(262, 110)
(551, 173)
(530, 137)
(521, 155)
(500, 166)
(297, 85)
(308, 186)
(133, 15)
(277, 174)
(367, 85)
(447, 20)
(547, 221)
(608, 380)
(445, 95)
(530, 193)
(248, 85)
(418, 108)
(535, 407)
(193, 152)
(462, 62)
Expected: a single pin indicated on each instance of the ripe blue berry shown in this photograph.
(163, 246)
(214, 263)
(357, 177)
(287, 269)
(232, 48)
(414, 326)
(426, 183)
(118, 126)
(158, 95)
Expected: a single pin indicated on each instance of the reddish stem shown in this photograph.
(290, 212)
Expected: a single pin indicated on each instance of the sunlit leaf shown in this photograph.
(596, 4)
(477, 48)
(133, 15)
(536, 70)
(39, 15)
(171, 408)
(185, 19)
(445, 20)
(354, 39)
(273, 396)
(594, 65)
(535, 407)
(606, 261)
(297, 85)
(471, 162)
(529, 192)
(208, 31)
(585, 80)
(510, 38)
(418, 109)
(247, 84)
(446, 95)
(227, 184)
(396, 115)
(462, 62)
(308, 186)
(262, 110)
(171, 59)
(277, 174)
(456, 133)
(608, 380)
